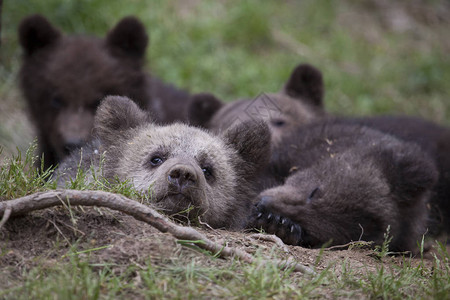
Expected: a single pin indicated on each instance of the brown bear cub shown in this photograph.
(179, 166)
(63, 79)
(346, 182)
(299, 102)
(435, 141)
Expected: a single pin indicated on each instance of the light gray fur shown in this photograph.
(129, 142)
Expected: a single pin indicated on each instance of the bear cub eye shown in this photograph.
(310, 197)
(278, 123)
(156, 161)
(207, 172)
(56, 102)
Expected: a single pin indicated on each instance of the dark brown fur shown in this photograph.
(179, 166)
(63, 79)
(434, 140)
(299, 102)
(344, 182)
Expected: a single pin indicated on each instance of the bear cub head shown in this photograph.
(182, 168)
(299, 102)
(63, 79)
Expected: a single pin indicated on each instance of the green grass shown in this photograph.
(77, 279)
(19, 176)
(238, 50)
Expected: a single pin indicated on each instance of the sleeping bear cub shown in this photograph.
(339, 182)
(181, 167)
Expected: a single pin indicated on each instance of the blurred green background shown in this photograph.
(377, 56)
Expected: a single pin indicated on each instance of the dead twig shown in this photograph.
(59, 230)
(135, 209)
(355, 244)
(271, 238)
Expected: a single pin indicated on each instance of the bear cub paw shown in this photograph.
(288, 231)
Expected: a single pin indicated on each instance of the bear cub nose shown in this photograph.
(182, 177)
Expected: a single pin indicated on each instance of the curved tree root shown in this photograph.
(133, 208)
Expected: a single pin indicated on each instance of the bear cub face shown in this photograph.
(64, 78)
(181, 167)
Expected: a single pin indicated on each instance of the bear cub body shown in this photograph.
(179, 166)
(63, 78)
(433, 139)
(341, 182)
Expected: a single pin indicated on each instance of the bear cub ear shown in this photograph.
(115, 116)
(251, 139)
(128, 38)
(202, 108)
(306, 83)
(36, 32)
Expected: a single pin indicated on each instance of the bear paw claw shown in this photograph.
(288, 231)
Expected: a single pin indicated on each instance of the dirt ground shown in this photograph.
(46, 237)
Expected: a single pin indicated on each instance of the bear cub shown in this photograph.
(63, 78)
(432, 138)
(299, 102)
(340, 182)
(183, 168)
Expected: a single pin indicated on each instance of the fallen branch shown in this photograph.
(133, 208)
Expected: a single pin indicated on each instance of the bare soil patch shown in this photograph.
(104, 236)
